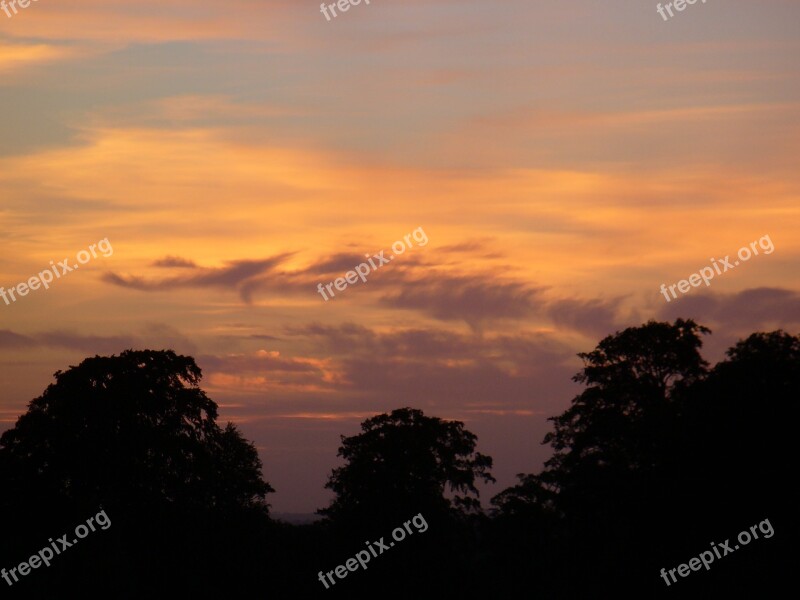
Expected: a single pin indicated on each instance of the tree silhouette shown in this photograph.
(135, 435)
(632, 378)
(132, 430)
(659, 455)
(404, 464)
(405, 461)
(529, 499)
(739, 433)
(656, 457)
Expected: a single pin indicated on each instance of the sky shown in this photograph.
(554, 163)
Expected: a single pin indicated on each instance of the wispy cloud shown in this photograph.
(235, 275)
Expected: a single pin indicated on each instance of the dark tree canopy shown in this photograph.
(631, 380)
(132, 430)
(612, 439)
(741, 423)
(136, 436)
(658, 455)
(530, 498)
(655, 458)
(405, 461)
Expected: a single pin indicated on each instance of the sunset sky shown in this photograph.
(564, 160)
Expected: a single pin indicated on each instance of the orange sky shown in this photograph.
(563, 159)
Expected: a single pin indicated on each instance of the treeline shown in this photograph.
(660, 457)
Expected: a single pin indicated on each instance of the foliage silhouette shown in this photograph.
(648, 464)
(134, 430)
(656, 457)
(404, 464)
(406, 461)
(136, 435)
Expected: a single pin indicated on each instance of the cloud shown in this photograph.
(154, 335)
(350, 368)
(259, 361)
(175, 262)
(265, 371)
(480, 299)
(19, 56)
(755, 309)
(247, 277)
(479, 248)
(89, 344)
(474, 299)
(150, 21)
(234, 275)
(244, 276)
(263, 336)
(592, 317)
(443, 368)
(9, 339)
(338, 263)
